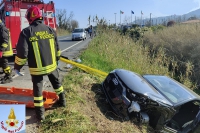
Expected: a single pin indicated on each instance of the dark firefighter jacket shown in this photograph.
(5, 43)
(39, 45)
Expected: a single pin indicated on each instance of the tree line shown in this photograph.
(65, 20)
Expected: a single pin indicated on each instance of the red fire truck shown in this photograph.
(12, 13)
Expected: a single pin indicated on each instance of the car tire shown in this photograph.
(72, 39)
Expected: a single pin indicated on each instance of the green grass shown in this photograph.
(69, 119)
(109, 51)
(92, 59)
(87, 110)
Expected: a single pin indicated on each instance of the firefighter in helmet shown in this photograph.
(5, 52)
(38, 45)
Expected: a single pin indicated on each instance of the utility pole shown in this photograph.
(115, 19)
(150, 19)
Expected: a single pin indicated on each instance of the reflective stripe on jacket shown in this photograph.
(38, 44)
(5, 42)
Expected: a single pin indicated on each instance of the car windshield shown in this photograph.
(171, 89)
(78, 30)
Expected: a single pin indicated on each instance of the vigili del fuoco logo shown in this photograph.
(13, 123)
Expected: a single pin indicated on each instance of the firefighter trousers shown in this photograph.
(4, 64)
(38, 87)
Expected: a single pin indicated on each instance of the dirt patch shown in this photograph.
(31, 121)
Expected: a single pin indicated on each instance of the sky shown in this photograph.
(20, 113)
(107, 8)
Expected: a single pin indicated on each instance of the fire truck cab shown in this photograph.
(12, 13)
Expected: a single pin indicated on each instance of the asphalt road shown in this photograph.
(70, 49)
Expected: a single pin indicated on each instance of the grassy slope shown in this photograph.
(87, 109)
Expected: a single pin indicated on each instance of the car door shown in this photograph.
(186, 118)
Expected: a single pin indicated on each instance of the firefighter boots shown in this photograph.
(39, 111)
(62, 100)
(7, 78)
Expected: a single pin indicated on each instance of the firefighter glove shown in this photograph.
(18, 73)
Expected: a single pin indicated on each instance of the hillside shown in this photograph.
(175, 17)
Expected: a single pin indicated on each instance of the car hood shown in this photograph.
(138, 84)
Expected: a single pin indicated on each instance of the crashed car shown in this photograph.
(162, 102)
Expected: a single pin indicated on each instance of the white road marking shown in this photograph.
(16, 75)
(70, 46)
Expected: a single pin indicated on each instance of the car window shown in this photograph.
(170, 88)
(78, 30)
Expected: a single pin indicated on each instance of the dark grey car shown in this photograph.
(165, 104)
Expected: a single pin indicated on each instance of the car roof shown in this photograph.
(168, 83)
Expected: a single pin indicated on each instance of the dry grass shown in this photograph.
(97, 110)
(181, 43)
(109, 51)
(62, 32)
(87, 110)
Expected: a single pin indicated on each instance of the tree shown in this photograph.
(192, 18)
(74, 24)
(170, 23)
(102, 23)
(148, 23)
(64, 20)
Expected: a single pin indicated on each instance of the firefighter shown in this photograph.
(38, 45)
(5, 52)
(90, 30)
